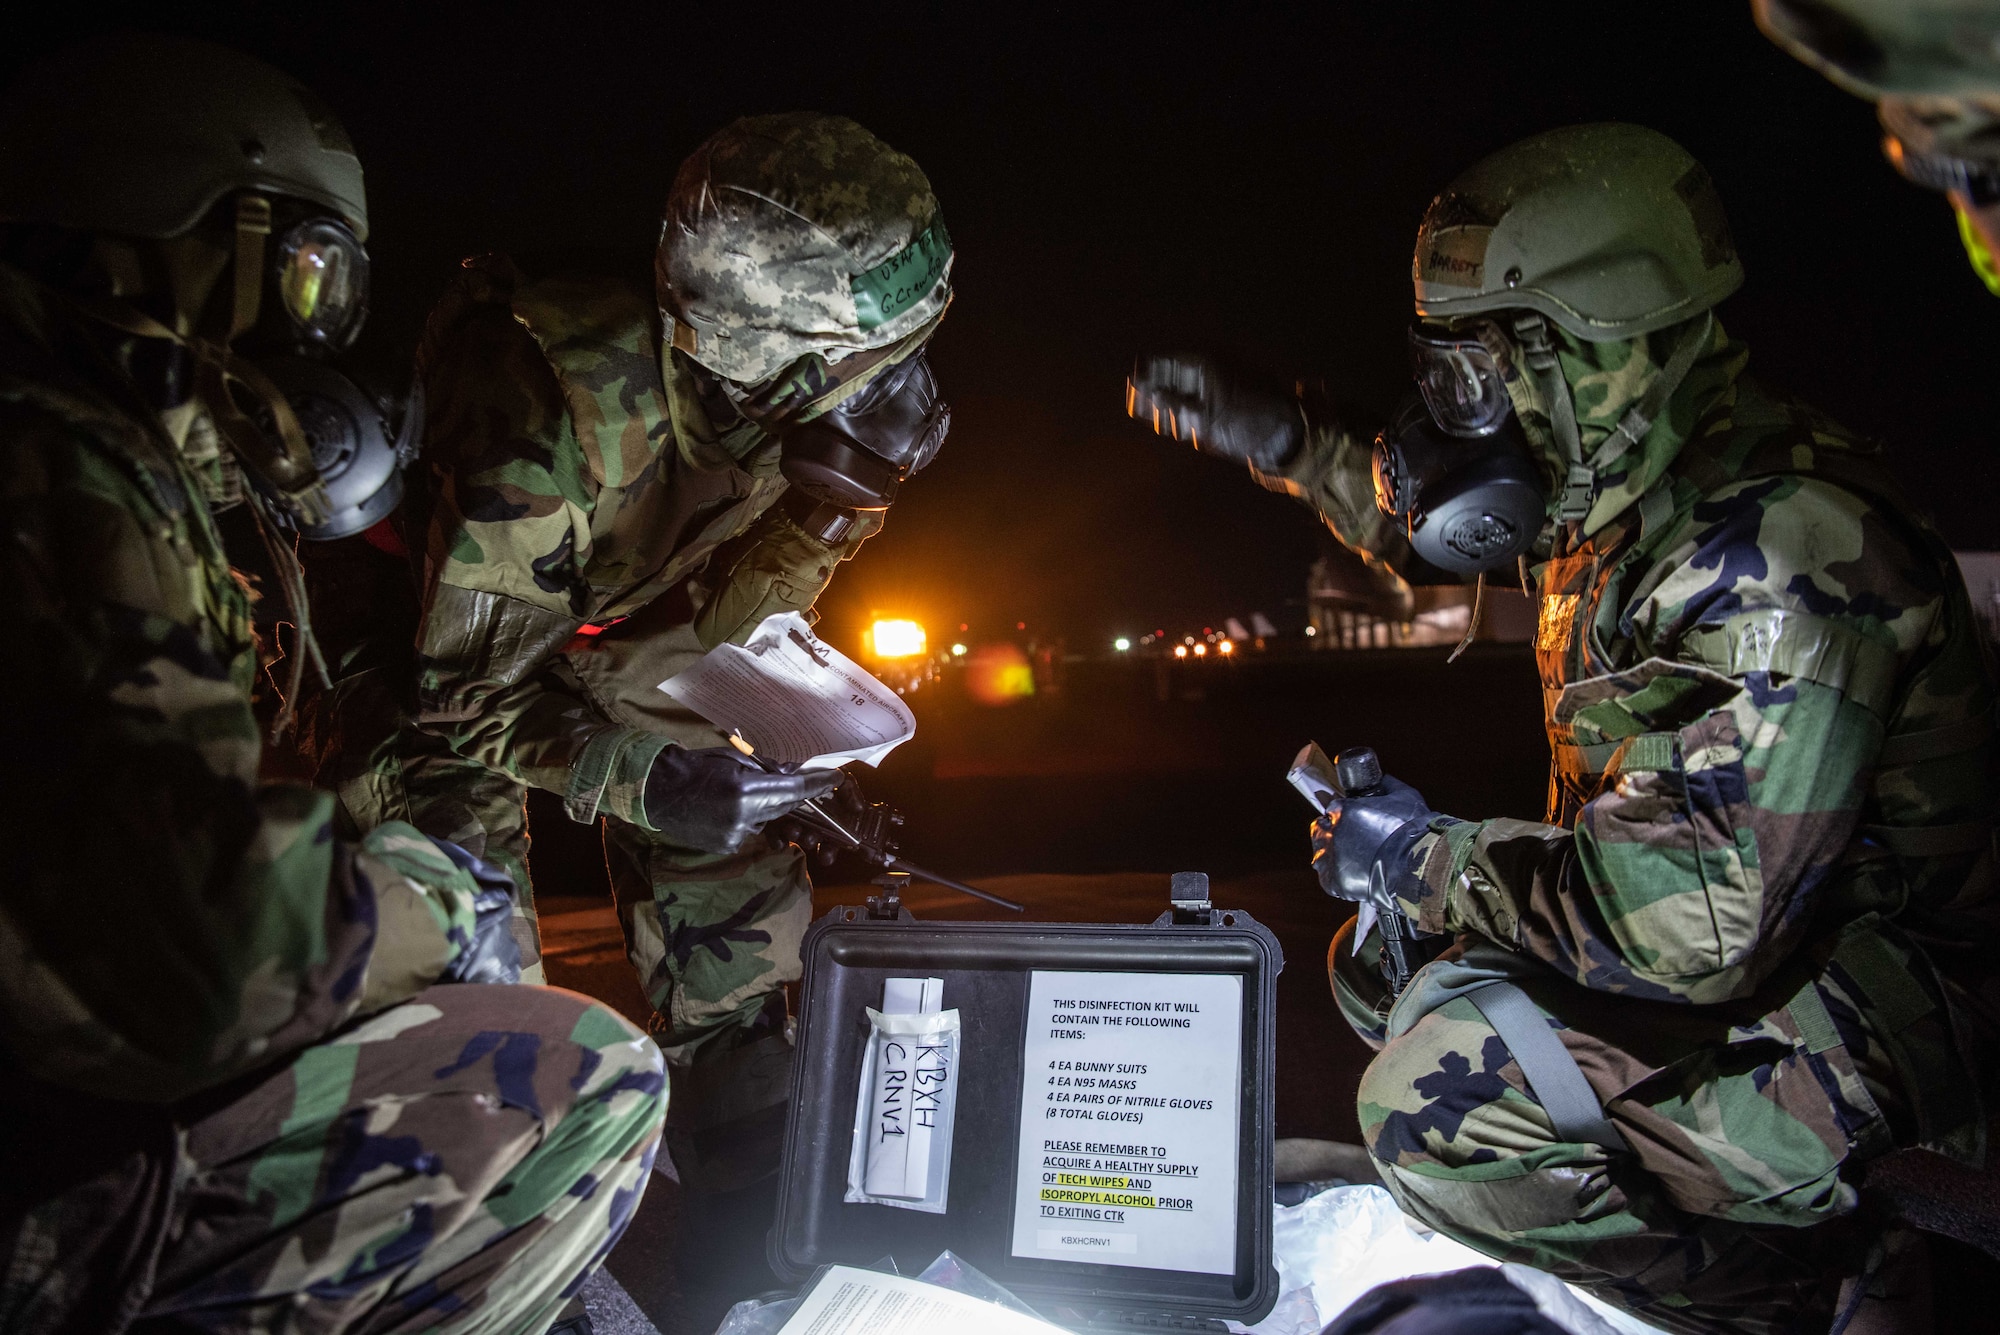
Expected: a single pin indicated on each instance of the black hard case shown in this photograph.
(985, 967)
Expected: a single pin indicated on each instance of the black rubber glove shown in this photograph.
(492, 955)
(715, 799)
(1362, 846)
(1194, 401)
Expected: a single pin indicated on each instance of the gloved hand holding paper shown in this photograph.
(796, 699)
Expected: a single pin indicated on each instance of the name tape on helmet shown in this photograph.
(1454, 257)
(904, 279)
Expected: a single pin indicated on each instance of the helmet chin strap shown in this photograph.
(1580, 485)
(1580, 480)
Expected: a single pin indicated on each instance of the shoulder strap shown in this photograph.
(1553, 1074)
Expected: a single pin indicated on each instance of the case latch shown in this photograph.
(888, 905)
(1189, 894)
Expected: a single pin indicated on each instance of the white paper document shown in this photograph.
(795, 698)
(1129, 1120)
(847, 1301)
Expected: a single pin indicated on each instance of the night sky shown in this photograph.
(1227, 178)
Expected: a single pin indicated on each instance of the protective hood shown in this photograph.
(1606, 381)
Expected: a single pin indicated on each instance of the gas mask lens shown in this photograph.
(1459, 381)
(323, 282)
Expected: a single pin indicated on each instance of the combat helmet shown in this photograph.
(141, 135)
(1609, 230)
(794, 234)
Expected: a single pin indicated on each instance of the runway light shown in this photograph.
(1121, 644)
(1201, 651)
(1226, 647)
(896, 639)
(1180, 651)
(958, 651)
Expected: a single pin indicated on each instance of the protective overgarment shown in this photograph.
(1759, 909)
(245, 1077)
(1722, 661)
(185, 955)
(604, 513)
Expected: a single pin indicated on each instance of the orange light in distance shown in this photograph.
(896, 639)
(1201, 651)
(998, 674)
(1180, 651)
(1226, 647)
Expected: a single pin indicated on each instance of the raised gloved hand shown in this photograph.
(492, 955)
(1362, 846)
(1193, 400)
(715, 799)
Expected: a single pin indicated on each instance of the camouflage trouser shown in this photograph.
(459, 1163)
(1730, 1213)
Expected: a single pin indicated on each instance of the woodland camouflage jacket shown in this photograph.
(577, 479)
(166, 922)
(1765, 692)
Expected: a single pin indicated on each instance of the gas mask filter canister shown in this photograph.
(855, 455)
(1468, 505)
(359, 443)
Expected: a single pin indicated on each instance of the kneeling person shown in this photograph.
(1758, 916)
(247, 1076)
(624, 479)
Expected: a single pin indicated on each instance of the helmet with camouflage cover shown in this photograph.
(1609, 230)
(141, 135)
(795, 234)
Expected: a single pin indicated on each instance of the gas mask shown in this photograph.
(361, 441)
(1453, 466)
(358, 440)
(851, 458)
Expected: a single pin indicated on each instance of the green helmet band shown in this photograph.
(904, 279)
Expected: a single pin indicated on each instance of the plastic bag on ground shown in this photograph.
(1332, 1248)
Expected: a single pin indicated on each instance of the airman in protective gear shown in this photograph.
(622, 480)
(1757, 912)
(251, 1074)
(1932, 68)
